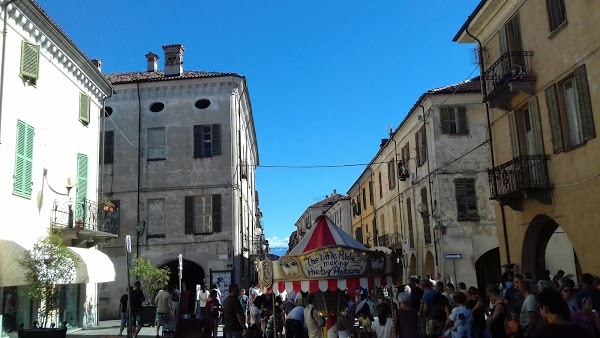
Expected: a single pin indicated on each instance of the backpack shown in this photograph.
(175, 295)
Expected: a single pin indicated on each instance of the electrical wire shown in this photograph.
(577, 183)
(120, 132)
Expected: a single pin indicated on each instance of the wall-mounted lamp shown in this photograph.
(71, 182)
(422, 209)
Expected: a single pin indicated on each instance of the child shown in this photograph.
(512, 326)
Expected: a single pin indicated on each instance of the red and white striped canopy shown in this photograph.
(333, 284)
(324, 233)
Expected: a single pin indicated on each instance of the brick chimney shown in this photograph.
(152, 62)
(173, 59)
(98, 64)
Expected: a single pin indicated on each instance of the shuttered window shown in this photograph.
(156, 218)
(557, 13)
(466, 199)
(380, 185)
(22, 178)
(391, 174)
(203, 214)
(421, 146)
(358, 235)
(570, 111)
(84, 108)
(30, 61)
(371, 197)
(157, 140)
(108, 144)
(410, 225)
(81, 195)
(426, 226)
(207, 140)
(454, 120)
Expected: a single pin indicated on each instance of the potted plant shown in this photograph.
(107, 206)
(79, 224)
(48, 264)
(152, 280)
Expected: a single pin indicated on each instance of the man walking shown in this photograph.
(233, 314)
(137, 297)
(294, 322)
(123, 311)
(163, 307)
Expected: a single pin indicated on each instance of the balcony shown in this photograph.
(510, 75)
(392, 241)
(84, 220)
(522, 177)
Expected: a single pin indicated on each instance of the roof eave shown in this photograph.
(461, 35)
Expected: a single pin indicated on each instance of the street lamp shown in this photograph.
(139, 231)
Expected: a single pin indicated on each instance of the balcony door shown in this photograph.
(526, 139)
(510, 41)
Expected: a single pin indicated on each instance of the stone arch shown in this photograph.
(429, 266)
(540, 231)
(487, 268)
(193, 274)
(412, 268)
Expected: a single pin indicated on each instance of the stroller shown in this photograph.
(169, 323)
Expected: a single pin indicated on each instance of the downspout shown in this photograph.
(375, 231)
(489, 125)
(4, 28)
(435, 248)
(139, 171)
(239, 168)
(399, 207)
(103, 130)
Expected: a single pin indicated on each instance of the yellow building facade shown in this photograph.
(364, 224)
(541, 67)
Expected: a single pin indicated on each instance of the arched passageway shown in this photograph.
(546, 246)
(193, 274)
(428, 267)
(413, 266)
(488, 269)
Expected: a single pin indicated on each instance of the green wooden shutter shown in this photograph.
(462, 121)
(514, 134)
(81, 195)
(22, 179)
(445, 120)
(198, 141)
(84, 108)
(554, 117)
(585, 103)
(30, 60)
(536, 127)
(216, 213)
(216, 139)
(189, 214)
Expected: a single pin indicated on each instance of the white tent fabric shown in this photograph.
(94, 266)
(324, 232)
(11, 250)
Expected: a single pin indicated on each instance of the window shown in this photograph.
(409, 222)
(371, 193)
(557, 15)
(466, 200)
(202, 104)
(358, 235)
(108, 146)
(364, 198)
(421, 146)
(526, 130)
(454, 120)
(157, 149)
(81, 194)
(202, 214)
(84, 109)
(380, 185)
(395, 218)
(426, 226)
(109, 221)
(391, 174)
(30, 61)
(570, 111)
(382, 223)
(157, 107)
(156, 218)
(22, 179)
(356, 208)
(207, 140)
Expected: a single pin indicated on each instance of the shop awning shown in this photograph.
(11, 250)
(94, 266)
(335, 284)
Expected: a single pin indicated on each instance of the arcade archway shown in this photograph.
(428, 267)
(488, 269)
(413, 266)
(193, 274)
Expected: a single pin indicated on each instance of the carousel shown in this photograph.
(329, 263)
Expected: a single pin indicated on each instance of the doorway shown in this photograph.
(487, 268)
(193, 274)
(428, 268)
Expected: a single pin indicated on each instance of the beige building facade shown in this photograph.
(541, 65)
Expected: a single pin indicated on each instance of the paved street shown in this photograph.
(110, 328)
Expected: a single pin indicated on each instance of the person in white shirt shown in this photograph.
(201, 297)
(384, 323)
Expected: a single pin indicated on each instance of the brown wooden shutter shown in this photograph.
(554, 116)
(109, 146)
(216, 139)
(198, 140)
(445, 120)
(417, 147)
(585, 103)
(216, 213)
(462, 121)
(423, 145)
(189, 214)
(461, 203)
(409, 221)
(471, 199)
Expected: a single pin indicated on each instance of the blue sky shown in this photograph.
(327, 78)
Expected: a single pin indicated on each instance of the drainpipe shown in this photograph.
(489, 126)
(375, 231)
(139, 173)
(435, 247)
(4, 7)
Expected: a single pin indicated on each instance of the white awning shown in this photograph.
(11, 250)
(94, 266)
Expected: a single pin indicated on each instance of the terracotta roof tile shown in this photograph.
(330, 200)
(470, 86)
(129, 77)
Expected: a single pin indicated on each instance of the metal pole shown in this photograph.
(127, 255)
(180, 270)
(455, 277)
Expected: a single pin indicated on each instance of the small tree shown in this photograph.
(48, 264)
(151, 277)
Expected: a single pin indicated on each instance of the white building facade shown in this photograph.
(340, 214)
(180, 155)
(51, 96)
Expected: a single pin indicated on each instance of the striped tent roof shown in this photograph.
(324, 233)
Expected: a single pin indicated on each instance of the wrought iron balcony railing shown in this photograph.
(392, 241)
(523, 173)
(85, 214)
(510, 74)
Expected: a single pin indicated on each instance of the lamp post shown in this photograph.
(139, 231)
(128, 267)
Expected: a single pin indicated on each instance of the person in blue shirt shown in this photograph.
(294, 322)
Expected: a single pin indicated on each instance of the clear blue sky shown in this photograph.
(326, 78)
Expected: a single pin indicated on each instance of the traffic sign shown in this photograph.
(453, 256)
